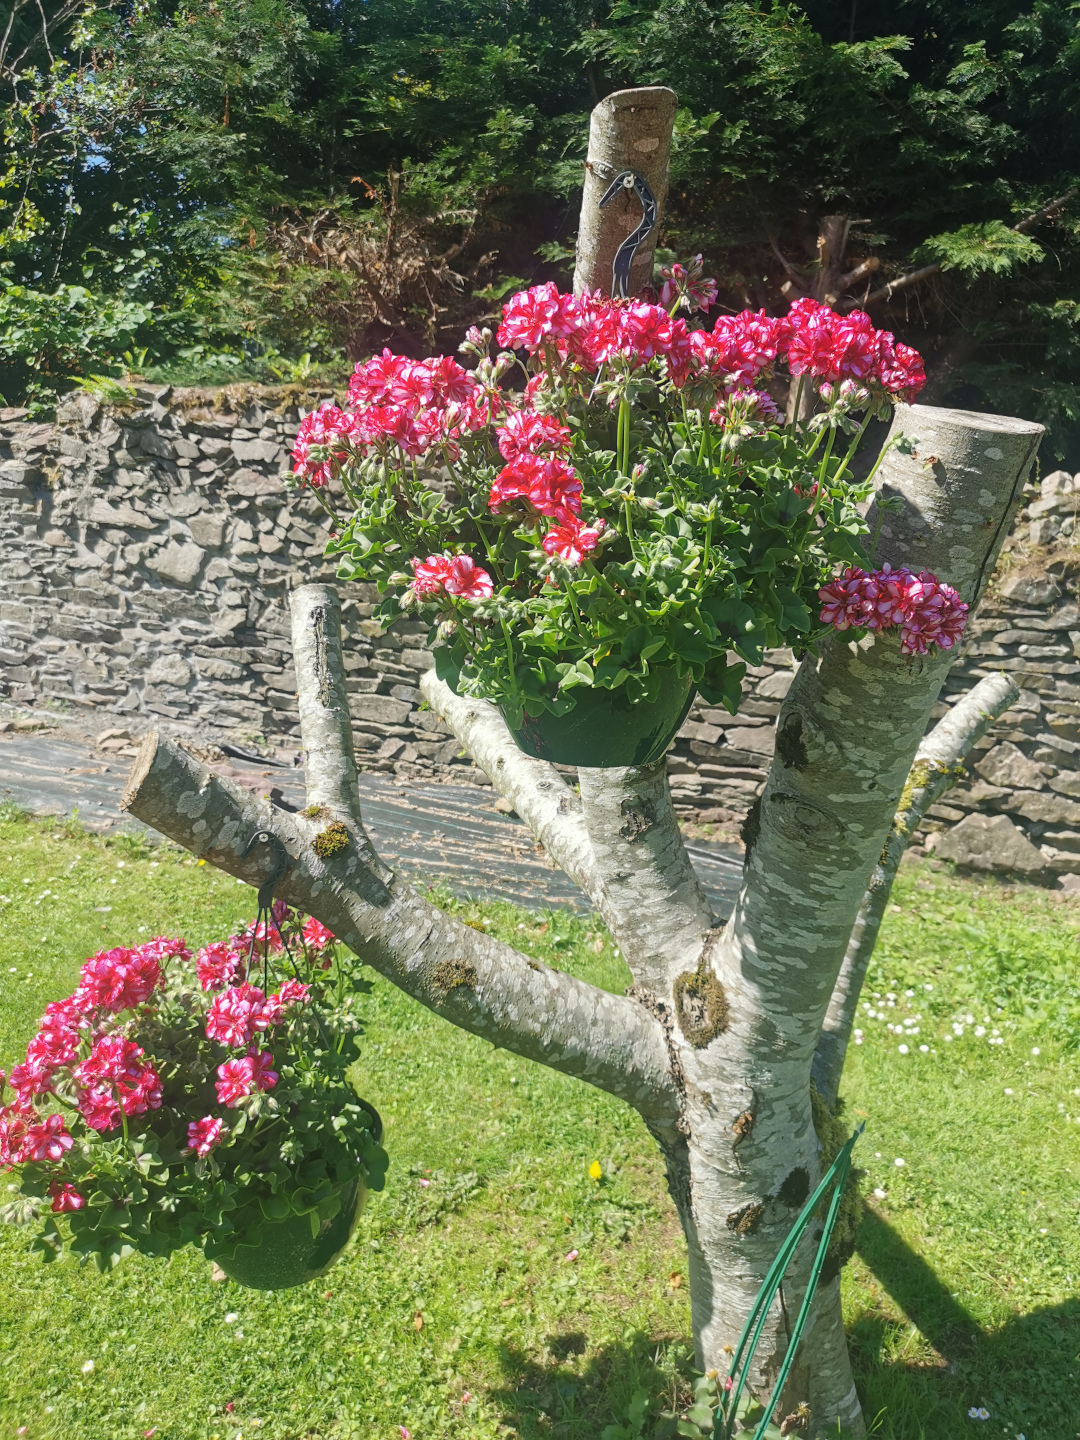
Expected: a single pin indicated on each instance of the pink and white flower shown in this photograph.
(238, 1015)
(46, 1141)
(572, 541)
(205, 1135)
(237, 1079)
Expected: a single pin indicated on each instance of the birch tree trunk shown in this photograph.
(714, 1042)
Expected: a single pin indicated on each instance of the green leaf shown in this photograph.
(986, 247)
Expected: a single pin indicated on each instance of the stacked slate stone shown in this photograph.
(1020, 811)
(147, 551)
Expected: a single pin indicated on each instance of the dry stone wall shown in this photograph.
(146, 556)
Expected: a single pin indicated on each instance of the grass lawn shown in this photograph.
(457, 1311)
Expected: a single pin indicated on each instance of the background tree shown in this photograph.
(303, 178)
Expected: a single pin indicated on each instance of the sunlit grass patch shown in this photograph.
(458, 1311)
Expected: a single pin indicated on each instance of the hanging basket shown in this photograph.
(289, 1254)
(605, 730)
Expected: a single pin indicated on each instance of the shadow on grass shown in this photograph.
(1026, 1373)
(549, 1396)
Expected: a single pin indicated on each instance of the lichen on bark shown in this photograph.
(701, 1007)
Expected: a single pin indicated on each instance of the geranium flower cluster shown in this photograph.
(925, 611)
(84, 1056)
(572, 511)
(401, 407)
(174, 1101)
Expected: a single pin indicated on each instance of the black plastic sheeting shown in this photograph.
(435, 834)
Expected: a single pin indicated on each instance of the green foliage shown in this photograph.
(987, 248)
(320, 179)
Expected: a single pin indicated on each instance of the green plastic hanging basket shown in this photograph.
(605, 730)
(288, 1254)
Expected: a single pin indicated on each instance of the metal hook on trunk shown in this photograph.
(629, 182)
(283, 863)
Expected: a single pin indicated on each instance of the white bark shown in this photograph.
(537, 791)
(935, 770)
(620, 842)
(846, 737)
(629, 130)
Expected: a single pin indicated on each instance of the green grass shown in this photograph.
(956, 1299)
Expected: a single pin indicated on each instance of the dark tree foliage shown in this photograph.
(264, 185)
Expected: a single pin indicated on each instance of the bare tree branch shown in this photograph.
(536, 790)
(797, 278)
(12, 68)
(864, 268)
(620, 842)
(902, 282)
(653, 901)
(935, 770)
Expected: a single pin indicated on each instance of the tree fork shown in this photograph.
(477, 982)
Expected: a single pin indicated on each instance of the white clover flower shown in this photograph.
(899, 1163)
(903, 1049)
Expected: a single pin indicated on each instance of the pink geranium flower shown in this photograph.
(316, 934)
(237, 1079)
(467, 579)
(927, 611)
(98, 1106)
(524, 432)
(457, 575)
(572, 542)
(538, 486)
(237, 1016)
(65, 1198)
(116, 1067)
(204, 1135)
(47, 1140)
(118, 980)
(218, 964)
(534, 316)
(292, 992)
